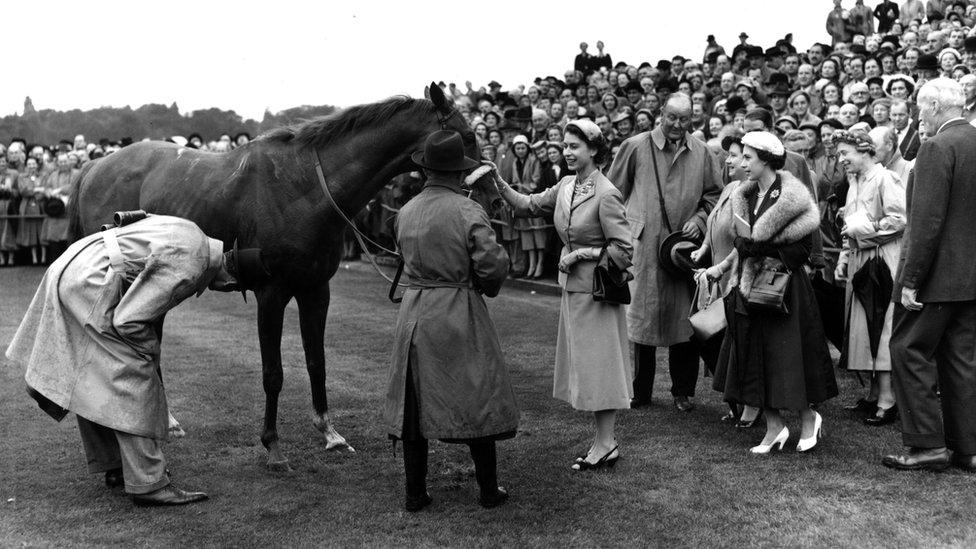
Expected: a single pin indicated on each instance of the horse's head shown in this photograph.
(481, 187)
(450, 118)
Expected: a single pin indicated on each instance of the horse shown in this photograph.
(286, 192)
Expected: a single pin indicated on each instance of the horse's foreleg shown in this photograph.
(271, 312)
(313, 308)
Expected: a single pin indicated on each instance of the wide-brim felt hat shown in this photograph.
(444, 152)
(777, 78)
(674, 255)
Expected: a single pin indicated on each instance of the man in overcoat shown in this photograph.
(934, 332)
(448, 378)
(689, 178)
(90, 342)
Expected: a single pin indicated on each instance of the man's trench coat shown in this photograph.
(88, 339)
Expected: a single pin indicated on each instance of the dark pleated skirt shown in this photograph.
(773, 360)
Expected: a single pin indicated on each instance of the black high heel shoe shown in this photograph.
(605, 461)
(742, 424)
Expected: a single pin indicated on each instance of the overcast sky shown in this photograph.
(250, 56)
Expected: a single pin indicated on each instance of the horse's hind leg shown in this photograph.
(271, 312)
(313, 308)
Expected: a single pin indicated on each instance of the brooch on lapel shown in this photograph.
(775, 193)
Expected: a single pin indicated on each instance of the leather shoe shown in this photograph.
(682, 404)
(887, 416)
(494, 500)
(114, 478)
(639, 403)
(414, 504)
(168, 495)
(966, 462)
(932, 459)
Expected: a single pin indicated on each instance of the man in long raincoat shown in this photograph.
(448, 379)
(690, 184)
(90, 341)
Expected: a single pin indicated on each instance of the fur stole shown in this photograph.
(793, 216)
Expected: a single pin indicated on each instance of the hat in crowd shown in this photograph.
(179, 140)
(621, 117)
(745, 82)
(786, 118)
(712, 56)
(970, 44)
(764, 141)
(909, 83)
(668, 85)
(773, 52)
(859, 49)
(444, 152)
(734, 103)
(125, 141)
(811, 126)
(777, 78)
(743, 35)
(588, 127)
(779, 89)
(521, 114)
(892, 41)
(53, 206)
(953, 51)
(540, 144)
(494, 84)
(927, 62)
(520, 139)
(713, 81)
(832, 122)
(674, 254)
(755, 51)
(634, 85)
(663, 65)
(875, 80)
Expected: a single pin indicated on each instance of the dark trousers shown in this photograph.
(415, 451)
(936, 347)
(682, 364)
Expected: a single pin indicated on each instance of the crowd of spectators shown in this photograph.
(865, 75)
(35, 184)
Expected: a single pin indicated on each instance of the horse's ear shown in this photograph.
(437, 96)
(427, 91)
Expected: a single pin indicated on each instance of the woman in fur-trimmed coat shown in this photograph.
(769, 359)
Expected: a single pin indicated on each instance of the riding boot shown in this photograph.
(485, 461)
(415, 469)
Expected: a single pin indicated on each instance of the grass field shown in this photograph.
(684, 479)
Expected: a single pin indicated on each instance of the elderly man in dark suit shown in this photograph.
(932, 343)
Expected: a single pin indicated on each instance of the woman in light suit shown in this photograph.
(592, 351)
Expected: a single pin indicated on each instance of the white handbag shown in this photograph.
(707, 315)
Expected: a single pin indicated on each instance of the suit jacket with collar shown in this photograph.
(937, 258)
(910, 143)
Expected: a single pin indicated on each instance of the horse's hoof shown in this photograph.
(337, 446)
(279, 466)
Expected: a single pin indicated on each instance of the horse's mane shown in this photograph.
(324, 130)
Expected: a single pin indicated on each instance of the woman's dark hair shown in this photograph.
(775, 162)
(599, 144)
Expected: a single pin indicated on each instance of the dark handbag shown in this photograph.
(610, 281)
(768, 290)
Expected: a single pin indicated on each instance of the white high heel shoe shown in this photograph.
(779, 441)
(807, 444)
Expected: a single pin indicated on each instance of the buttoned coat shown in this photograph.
(937, 256)
(443, 331)
(658, 313)
(88, 338)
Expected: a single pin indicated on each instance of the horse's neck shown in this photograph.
(357, 168)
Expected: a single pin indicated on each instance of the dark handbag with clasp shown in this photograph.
(768, 290)
(610, 281)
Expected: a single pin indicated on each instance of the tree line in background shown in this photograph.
(153, 120)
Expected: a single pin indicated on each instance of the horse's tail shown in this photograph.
(75, 229)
